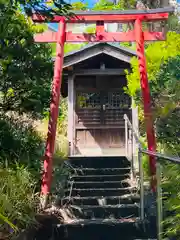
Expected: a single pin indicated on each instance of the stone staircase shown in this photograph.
(102, 201)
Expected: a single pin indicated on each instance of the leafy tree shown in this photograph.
(48, 8)
(166, 94)
(110, 5)
(25, 73)
(79, 6)
(173, 23)
(163, 60)
(156, 54)
(25, 67)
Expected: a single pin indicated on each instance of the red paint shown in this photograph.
(112, 37)
(54, 110)
(100, 29)
(99, 37)
(47, 36)
(146, 98)
(102, 17)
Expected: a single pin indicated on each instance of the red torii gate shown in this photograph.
(136, 35)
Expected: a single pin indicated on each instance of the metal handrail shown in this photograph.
(158, 173)
(160, 155)
(151, 153)
(133, 132)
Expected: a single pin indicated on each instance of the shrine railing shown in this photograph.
(130, 136)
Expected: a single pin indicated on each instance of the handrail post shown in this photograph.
(130, 144)
(159, 201)
(126, 136)
(141, 184)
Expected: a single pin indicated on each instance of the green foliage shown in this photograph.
(79, 6)
(68, 47)
(171, 186)
(156, 54)
(20, 143)
(173, 23)
(17, 200)
(164, 75)
(163, 61)
(26, 67)
(165, 90)
(48, 8)
(109, 5)
(5, 220)
(165, 93)
(61, 145)
(25, 70)
(106, 5)
(62, 120)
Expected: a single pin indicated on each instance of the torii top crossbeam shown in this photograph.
(101, 17)
(110, 16)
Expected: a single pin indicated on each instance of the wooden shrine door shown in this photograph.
(99, 123)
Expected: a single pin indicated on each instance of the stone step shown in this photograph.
(103, 229)
(102, 184)
(106, 211)
(102, 171)
(99, 162)
(94, 178)
(91, 192)
(99, 200)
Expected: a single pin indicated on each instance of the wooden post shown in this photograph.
(146, 99)
(54, 111)
(71, 128)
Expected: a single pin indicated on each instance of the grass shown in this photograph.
(61, 144)
(17, 199)
(22, 144)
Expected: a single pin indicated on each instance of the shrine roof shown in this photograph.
(89, 45)
(90, 50)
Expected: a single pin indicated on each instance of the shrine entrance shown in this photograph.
(99, 122)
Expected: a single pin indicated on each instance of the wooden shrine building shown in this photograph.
(94, 80)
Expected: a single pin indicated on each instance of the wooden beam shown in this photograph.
(113, 37)
(106, 18)
(110, 16)
(97, 72)
(46, 37)
(71, 124)
(99, 27)
(99, 37)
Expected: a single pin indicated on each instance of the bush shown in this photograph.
(19, 142)
(171, 188)
(20, 171)
(22, 144)
(17, 199)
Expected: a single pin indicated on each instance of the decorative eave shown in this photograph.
(91, 50)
